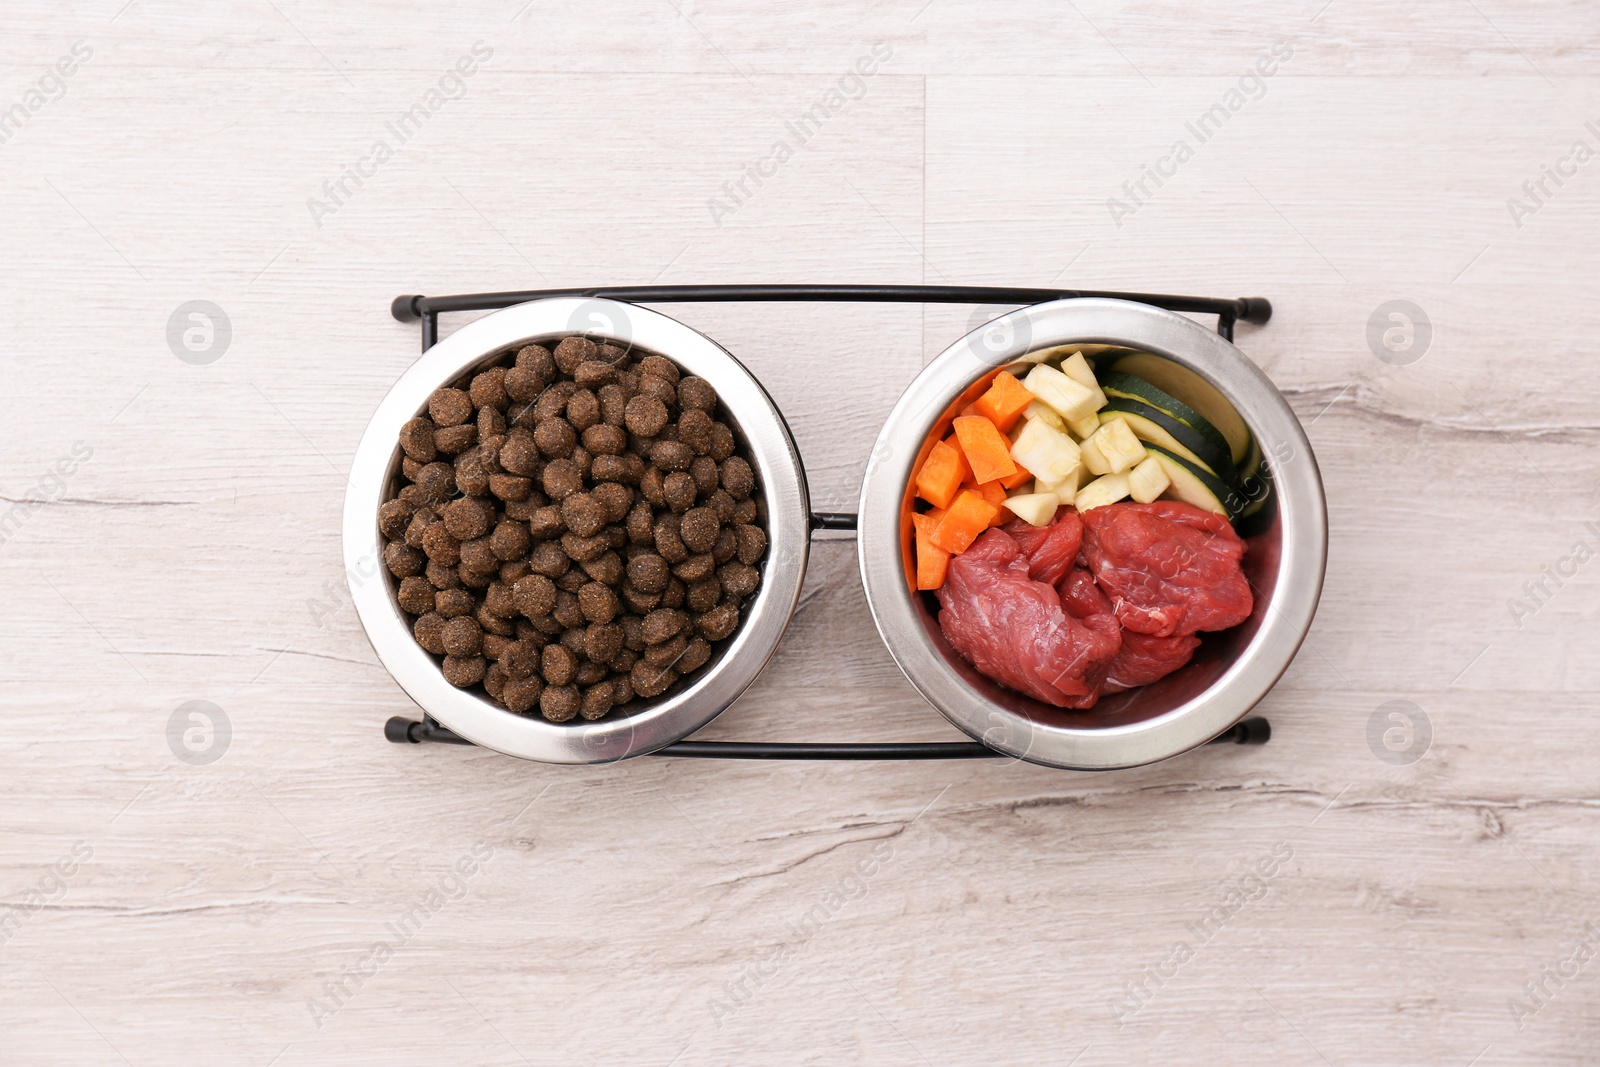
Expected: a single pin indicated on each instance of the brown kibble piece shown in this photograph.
(604, 439)
(707, 476)
(478, 556)
(442, 575)
(699, 529)
(598, 602)
(500, 601)
(641, 524)
(667, 652)
(537, 359)
(510, 487)
(698, 653)
(648, 573)
(662, 624)
(567, 612)
(737, 478)
(668, 543)
(520, 454)
(659, 366)
(416, 440)
(583, 514)
(723, 442)
(613, 404)
(738, 579)
(596, 701)
(606, 568)
(727, 546)
(638, 601)
(559, 703)
(462, 636)
(452, 603)
(558, 665)
(416, 595)
(719, 622)
(510, 540)
(573, 351)
(449, 407)
(494, 682)
(648, 681)
(697, 394)
(583, 410)
(488, 388)
(429, 632)
(679, 491)
(694, 430)
(545, 523)
(745, 512)
(645, 416)
(393, 518)
(454, 439)
(696, 568)
(752, 543)
(562, 478)
(534, 595)
(614, 500)
(555, 437)
(522, 694)
(402, 560)
(703, 595)
(602, 641)
(548, 559)
(593, 373)
(675, 456)
(468, 517)
(464, 671)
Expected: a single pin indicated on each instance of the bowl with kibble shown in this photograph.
(1093, 534)
(576, 530)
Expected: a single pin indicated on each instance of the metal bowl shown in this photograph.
(660, 721)
(1232, 670)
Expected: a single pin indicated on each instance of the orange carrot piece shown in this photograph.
(986, 448)
(965, 519)
(942, 474)
(1018, 479)
(969, 409)
(995, 494)
(1005, 401)
(932, 561)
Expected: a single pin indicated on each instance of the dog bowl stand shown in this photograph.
(427, 309)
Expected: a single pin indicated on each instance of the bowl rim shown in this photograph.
(1301, 506)
(781, 479)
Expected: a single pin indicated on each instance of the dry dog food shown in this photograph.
(573, 528)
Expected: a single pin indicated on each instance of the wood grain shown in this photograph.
(687, 912)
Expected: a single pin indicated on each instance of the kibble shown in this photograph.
(573, 529)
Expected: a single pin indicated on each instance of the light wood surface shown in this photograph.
(655, 912)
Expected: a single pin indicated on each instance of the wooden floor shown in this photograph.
(315, 895)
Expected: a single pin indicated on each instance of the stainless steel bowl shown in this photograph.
(1231, 672)
(662, 721)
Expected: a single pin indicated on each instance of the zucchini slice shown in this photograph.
(1122, 386)
(1192, 484)
(1153, 424)
(1190, 388)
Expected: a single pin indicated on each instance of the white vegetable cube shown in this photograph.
(1107, 489)
(1040, 410)
(1147, 480)
(1072, 400)
(1084, 427)
(1066, 489)
(1047, 453)
(1035, 508)
(1077, 368)
(1119, 447)
(1094, 461)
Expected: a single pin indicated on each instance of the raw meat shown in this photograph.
(1143, 659)
(1168, 567)
(1050, 549)
(1014, 629)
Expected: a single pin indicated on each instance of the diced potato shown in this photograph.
(1040, 410)
(1094, 461)
(1035, 508)
(1072, 400)
(1077, 368)
(1147, 480)
(1046, 452)
(1115, 441)
(1107, 489)
(1084, 427)
(1066, 489)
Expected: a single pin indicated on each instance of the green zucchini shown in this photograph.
(1152, 424)
(1189, 388)
(1118, 385)
(1193, 484)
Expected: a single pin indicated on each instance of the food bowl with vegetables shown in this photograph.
(1099, 545)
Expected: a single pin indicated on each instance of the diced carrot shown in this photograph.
(942, 474)
(967, 517)
(1018, 479)
(1005, 401)
(995, 494)
(932, 561)
(987, 451)
(970, 409)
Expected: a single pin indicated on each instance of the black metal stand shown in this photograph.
(427, 309)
